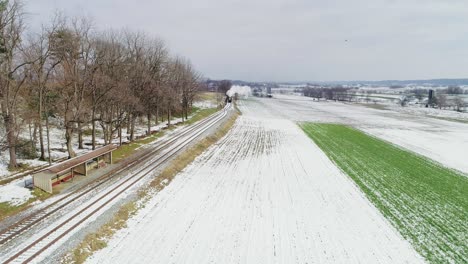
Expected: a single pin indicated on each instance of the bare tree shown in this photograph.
(224, 86)
(459, 103)
(12, 73)
(40, 71)
(173, 86)
(65, 48)
(155, 62)
(442, 101)
(136, 75)
(108, 78)
(85, 79)
(189, 87)
(72, 46)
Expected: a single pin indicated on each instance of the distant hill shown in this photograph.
(432, 82)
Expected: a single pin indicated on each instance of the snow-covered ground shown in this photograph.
(264, 194)
(205, 104)
(14, 193)
(430, 112)
(443, 141)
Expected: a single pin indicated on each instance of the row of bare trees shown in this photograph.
(330, 93)
(102, 80)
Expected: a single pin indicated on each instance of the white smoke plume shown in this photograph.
(242, 91)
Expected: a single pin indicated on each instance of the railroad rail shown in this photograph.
(167, 150)
(26, 223)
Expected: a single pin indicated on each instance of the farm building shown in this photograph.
(66, 170)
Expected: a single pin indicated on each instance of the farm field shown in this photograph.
(427, 203)
(264, 194)
(441, 140)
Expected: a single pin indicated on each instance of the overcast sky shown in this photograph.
(293, 40)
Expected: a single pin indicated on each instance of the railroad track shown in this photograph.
(26, 223)
(88, 209)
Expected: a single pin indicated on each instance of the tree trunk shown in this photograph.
(80, 135)
(31, 137)
(168, 117)
(11, 138)
(34, 139)
(93, 129)
(157, 115)
(41, 139)
(68, 138)
(48, 139)
(182, 115)
(109, 132)
(120, 135)
(132, 128)
(12, 150)
(128, 123)
(149, 125)
(104, 131)
(39, 124)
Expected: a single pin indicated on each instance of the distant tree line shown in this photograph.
(441, 97)
(105, 80)
(337, 93)
(219, 86)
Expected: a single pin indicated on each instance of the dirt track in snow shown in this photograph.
(265, 194)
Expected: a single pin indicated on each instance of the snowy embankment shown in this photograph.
(264, 194)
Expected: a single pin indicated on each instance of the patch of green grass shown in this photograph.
(383, 97)
(374, 106)
(6, 209)
(127, 149)
(21, 168)
(426, 202)
(201, 114)
(206, 96)
(98, 240)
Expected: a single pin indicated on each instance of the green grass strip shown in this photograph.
(426, 202)
(201, 114)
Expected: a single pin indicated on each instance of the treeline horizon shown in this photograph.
(85, 77)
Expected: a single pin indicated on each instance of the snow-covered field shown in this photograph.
(264, 194)
(431, 112)
(443, 141)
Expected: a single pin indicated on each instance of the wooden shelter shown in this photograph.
(66, 170)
